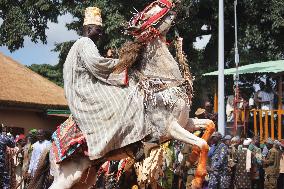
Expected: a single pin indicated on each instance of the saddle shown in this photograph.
(68, 141)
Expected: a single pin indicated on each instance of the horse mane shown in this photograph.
(129, 54)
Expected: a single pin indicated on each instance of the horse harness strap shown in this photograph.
(160, 82)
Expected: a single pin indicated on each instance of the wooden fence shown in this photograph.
(268, 123)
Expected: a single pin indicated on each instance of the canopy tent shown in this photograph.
(276, 69)
(263, 67)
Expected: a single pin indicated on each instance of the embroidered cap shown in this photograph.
(93, 16)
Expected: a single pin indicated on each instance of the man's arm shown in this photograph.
(32, 160)
(99, 66)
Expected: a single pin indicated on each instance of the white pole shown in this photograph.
(236, 78)
(221, 98)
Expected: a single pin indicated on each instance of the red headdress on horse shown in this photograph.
(147, 25)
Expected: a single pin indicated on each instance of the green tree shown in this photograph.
(260, 27)
(48, 71)
(25, 18)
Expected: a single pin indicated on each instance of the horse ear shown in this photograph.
(129, 54)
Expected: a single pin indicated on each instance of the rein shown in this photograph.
(161, 83)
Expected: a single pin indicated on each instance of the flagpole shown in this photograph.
(221, 96)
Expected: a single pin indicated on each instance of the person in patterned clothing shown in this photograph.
(218, 171)
(5, 141)
(271, 165)
(243, 165)
(256, 163)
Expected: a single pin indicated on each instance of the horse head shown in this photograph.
(154, 21)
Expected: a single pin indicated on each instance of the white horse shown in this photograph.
(167, 111)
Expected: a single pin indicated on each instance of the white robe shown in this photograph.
(38, 149)
(109, 114)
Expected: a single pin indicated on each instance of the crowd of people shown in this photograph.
(245, 163)
(235, 163)
(24, 161)
(260, 100)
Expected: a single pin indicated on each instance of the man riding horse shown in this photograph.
(98, 99)
(114, 110)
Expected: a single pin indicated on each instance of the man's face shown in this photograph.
(4, 130)
(201, 116)
(256, 141)
(95, 32)
(208, 106)
(269, 146)
(40, 136)
(21, 143)
(227, 142)
(213, 140)
(110, 53)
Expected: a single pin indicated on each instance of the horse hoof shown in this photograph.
(196, 183)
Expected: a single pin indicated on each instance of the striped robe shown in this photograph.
(110, 114)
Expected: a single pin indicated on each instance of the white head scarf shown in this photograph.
(247, 141)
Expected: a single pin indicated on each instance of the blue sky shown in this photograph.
(40, 53)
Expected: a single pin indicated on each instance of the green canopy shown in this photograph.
(57, 112)
(263, 67)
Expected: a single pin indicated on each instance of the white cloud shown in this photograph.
(58, 32)
(40, 53)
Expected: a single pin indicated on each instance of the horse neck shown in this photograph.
(157, 61)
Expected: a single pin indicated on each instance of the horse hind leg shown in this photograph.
(176, 131)
(70, 172)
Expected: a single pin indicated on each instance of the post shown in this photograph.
(215, 99)
(236, 78)
(280, 92)
(221, 98)
(255, 123)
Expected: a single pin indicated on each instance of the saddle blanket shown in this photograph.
(67, 139)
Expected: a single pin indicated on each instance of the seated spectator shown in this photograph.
(230, 108)
(265, 96)
(209, 114)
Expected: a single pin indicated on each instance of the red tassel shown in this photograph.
(126, 77)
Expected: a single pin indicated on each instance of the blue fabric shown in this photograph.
(219, 177)
(211, 151)
(4, 175)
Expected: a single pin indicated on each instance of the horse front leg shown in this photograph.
(208, 127)
(176, 131)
